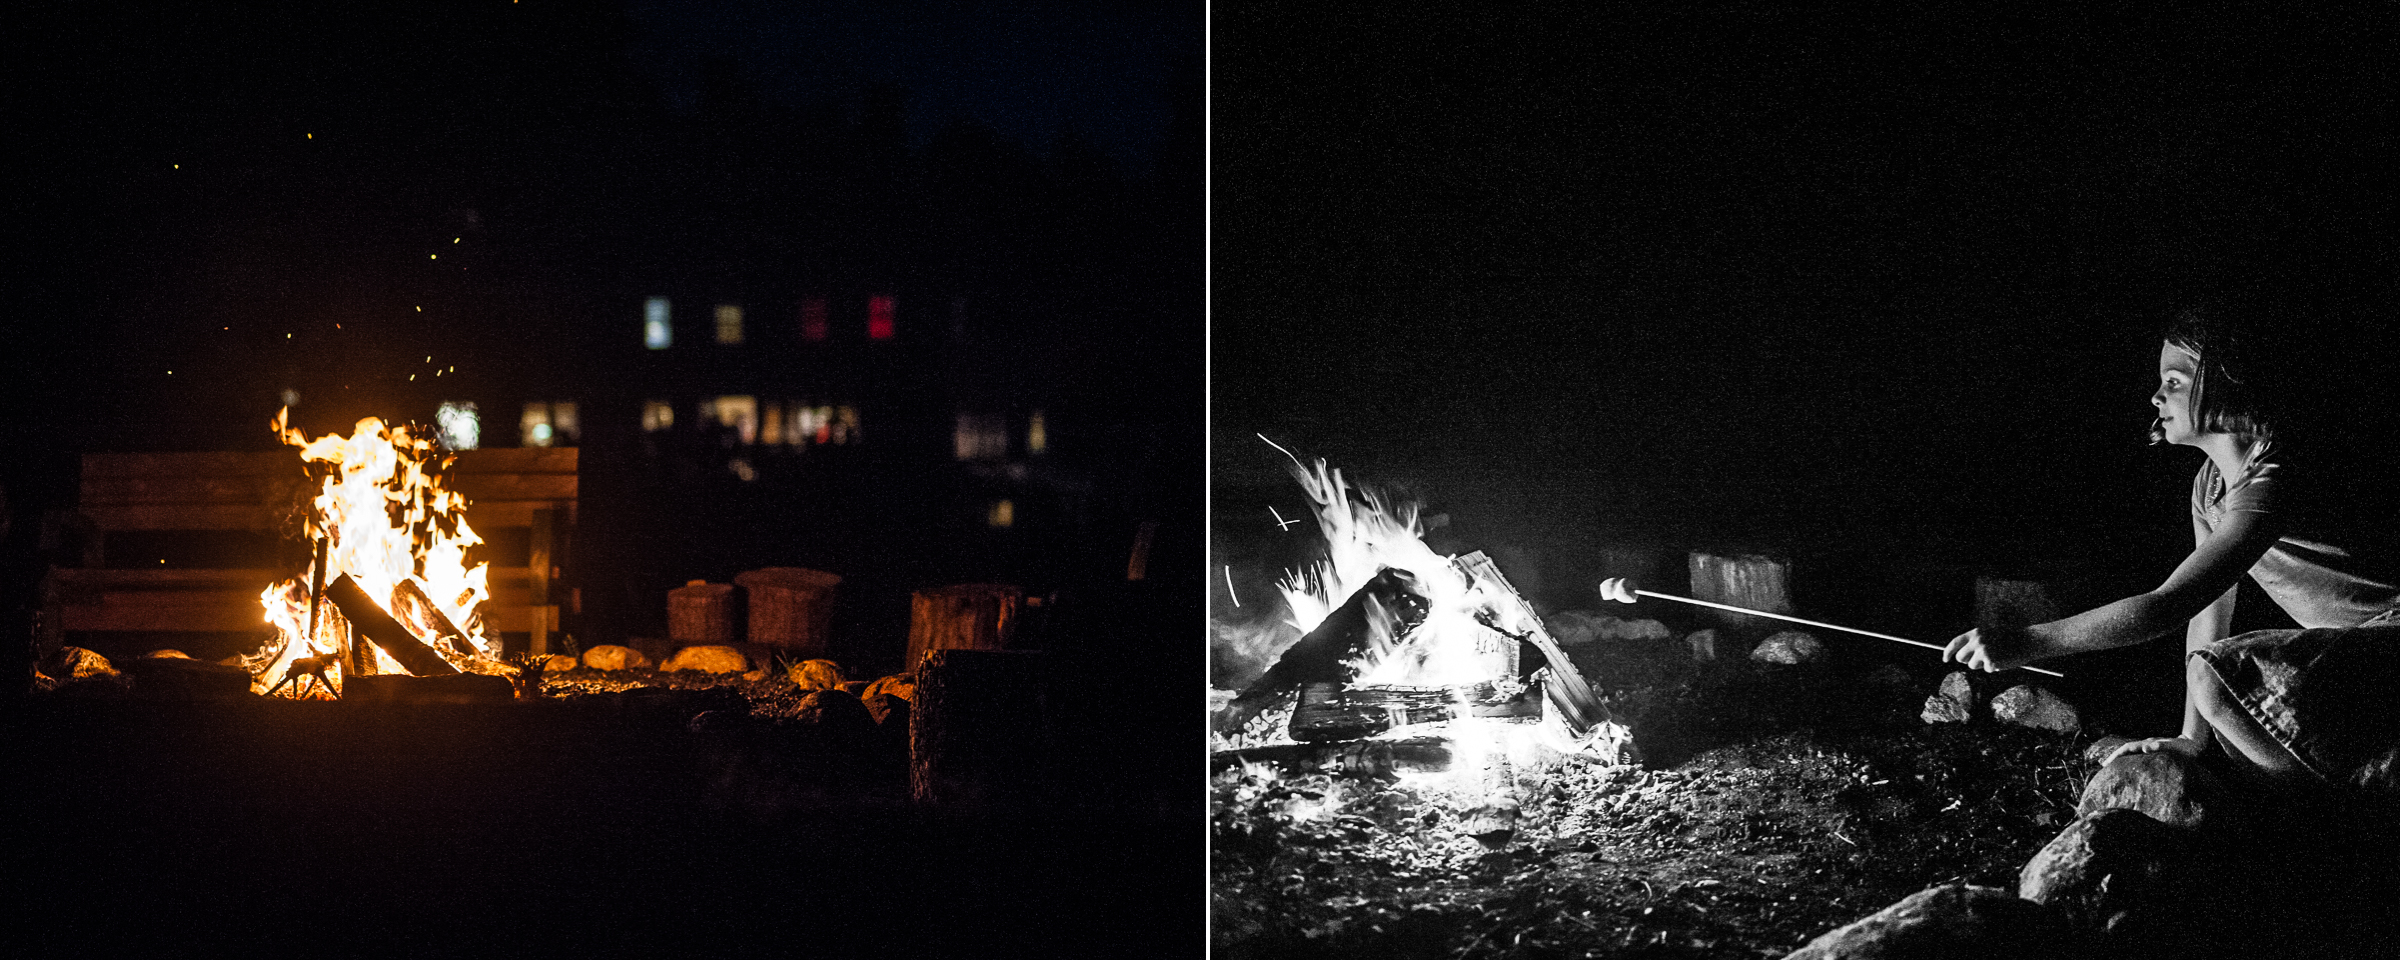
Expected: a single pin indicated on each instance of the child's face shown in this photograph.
(2176, 369)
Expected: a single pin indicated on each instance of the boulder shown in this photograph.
(2111, 872)
(1703, 644)
(708, 658)
(2167, 787)
(166, 655)
(609, 656)
(856, 688)
(77, 663)
(1950, 921)
(560, 661)
(817, 675)
(1953, 701)
(902, 685)
(2030, 706)
(1789, 647)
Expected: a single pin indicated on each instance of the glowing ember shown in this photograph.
(388, 520)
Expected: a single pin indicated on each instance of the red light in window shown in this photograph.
(812, 318)
(879, 318)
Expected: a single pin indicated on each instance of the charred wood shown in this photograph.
(1385, 608)
(369, 621)
(1357, 758)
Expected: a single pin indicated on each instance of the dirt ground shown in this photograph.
(1774, 803)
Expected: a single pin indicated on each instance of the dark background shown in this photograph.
(1878, 292)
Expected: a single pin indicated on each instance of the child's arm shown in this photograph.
(2198, 585)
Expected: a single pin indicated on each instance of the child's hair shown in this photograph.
(2228, 395)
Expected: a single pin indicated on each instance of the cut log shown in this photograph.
(1385, 608)
(1331, 711)
(978, 733)
(369, 621)
(1357, 758)
(418, 611)
(1565, 691)
(791, 609)
(967, 616)
(1756, 581)
(700, 613)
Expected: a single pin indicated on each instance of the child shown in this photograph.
(2295, 706)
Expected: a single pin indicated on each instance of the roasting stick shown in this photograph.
(1623, 591)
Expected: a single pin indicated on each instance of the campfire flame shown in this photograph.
(387, 516)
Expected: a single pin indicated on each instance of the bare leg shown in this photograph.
(2241, 735)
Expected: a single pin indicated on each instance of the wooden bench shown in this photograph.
(229, 519)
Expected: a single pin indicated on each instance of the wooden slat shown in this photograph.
(255, 463)
(166, 617)
(518, 460)
(515, 486)
(180, 516)
(221, 488)
(166, 580)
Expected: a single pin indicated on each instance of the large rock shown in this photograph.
(2168, 787)
(1789, 647)
(77, 663)
(816, 675)
(2111, 872)
(1953, 701)
(560, 661)
(609, 656)
(2035, 707)
(1954, 922)
(708, 658)
(902, 685)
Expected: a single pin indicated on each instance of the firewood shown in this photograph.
(1385, 608)
(1331, 711)
(1565, 691)
(1356, 758)
(379, 628)
(409, 600)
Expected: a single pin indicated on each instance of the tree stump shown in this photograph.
(1755, 581)
(978, 732)
(700, 613)
(967, 616)
(791, 609)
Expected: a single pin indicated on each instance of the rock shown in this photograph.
(2109, 872)
(817, 675)
(1703, 644)
(609, 656)
(1950, 921)
(2101, 748)
(887, 708)
(710, 658)
(77, 663)
(560, 661)
(1953, 702)
(166, 655)
(2035, 707)
(757, 675)
(1789, 647)
(902, 685)
(834, 713)
(1637, 630)
(2167, 787)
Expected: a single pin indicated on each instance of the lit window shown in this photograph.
(740, 413)
(461, 429)
(770, 424)
(657, 415)
(1037, 434)
(823, 422)
(729, 323)
(879, 318)
(845, 427)
(657, 334)
(813, 325)
(1004, 514)
(980, 436)
(533, 429)
(563, 423)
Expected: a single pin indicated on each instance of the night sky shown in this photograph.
(1775, 276)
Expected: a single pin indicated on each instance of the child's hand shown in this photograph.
(1990, 651)
(2189, 749)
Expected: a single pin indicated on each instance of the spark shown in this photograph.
(456, 239)
(179, 166)
(312, 136)
(433, 256)
(1279, 448)
(420, 309)
(1237, 599)
(429, 358)
(1280, 522)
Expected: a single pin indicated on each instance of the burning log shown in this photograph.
(409, 600)
(1330, 711)
(1362, 758)
(1387, 607)
(1566, 692)
(369, 621)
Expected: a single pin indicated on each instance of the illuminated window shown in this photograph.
(533, 428)
(563, 423)
(845, 426)
(657, 334)
(980, 436)
(770, 424)
(1004, 514)
(879, 318)
(741, 414)
(460, 427)
(657, 415)
(822, 418)
(812, 319)
(1037, 434)
(729, 323)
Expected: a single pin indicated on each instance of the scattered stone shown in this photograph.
(1789, 647)
(1953, 702)
(707, 658)
(2108, 872)
(166, 655)
(558, 662)
(1492, 824)
(817, 675)
(1953, 921)
(902, 685)
(2167, 787)
(1703, 644)
(77, 663)
(609, 656)
(2030, 706)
